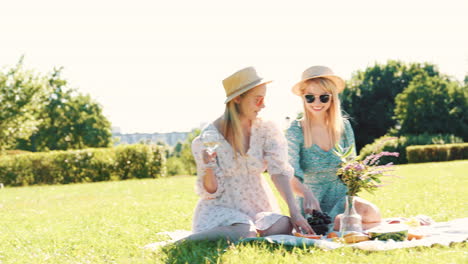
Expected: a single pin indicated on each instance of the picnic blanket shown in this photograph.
(442, 233)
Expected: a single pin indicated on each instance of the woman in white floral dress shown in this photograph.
(235, 199)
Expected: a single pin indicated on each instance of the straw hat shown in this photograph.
(241, 81)
(319, 72)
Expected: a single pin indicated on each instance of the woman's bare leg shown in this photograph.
(232, 233)
(369, 212)
(281, 227)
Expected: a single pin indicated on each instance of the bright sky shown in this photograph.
(157, 66)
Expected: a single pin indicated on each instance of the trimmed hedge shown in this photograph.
(15, 152)
(429, 153)
(87, 165)
(399, 145)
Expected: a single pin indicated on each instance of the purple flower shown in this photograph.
(359, 167)
(358, 175)
(371, 159)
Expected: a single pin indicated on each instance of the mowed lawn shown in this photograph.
(109, 222)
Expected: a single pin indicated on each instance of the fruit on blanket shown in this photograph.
(396, 232)
(396, 236)
(310, 236)
(413, 222)
(338, 240)
(352, 233)
(355, 238)
(412, 234)
(319, 218)
(332, 235)
(320, 229)
(319, 222)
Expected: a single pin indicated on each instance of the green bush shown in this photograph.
(458, 152)
(11, 165)
(45, 169)
(132, 162)
(74, 166)
(158, 161)
(103, 165)
(399, 145)
(175, 166)
(429, 153)
(88, 165)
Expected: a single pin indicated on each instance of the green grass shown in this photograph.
(109, 222)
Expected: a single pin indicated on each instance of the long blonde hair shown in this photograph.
(231, 128)
(333, 118)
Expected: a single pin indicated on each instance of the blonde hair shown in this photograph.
(231, 128)
(333, 118)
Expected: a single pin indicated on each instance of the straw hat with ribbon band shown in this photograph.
(242, 81)
(319, 72)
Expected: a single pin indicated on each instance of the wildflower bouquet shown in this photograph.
(364, 174)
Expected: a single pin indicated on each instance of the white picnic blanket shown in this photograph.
(442, 233)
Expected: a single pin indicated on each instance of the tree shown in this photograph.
(22, 94)
(431, 104)
(181, 160)
(186, 153)
(69, 121)
(178, 149)
(369, 98)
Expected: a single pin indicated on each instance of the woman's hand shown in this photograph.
(209, 158)
(209, 179)
(300, 224)
(310, 202)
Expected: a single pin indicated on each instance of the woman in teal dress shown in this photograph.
(310, 143)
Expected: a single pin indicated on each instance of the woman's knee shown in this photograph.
(250, 233)
(368, 211)
(282, 226)
(336, 224)
(284, 223)
(245, 230)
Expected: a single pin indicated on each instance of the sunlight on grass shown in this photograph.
(110, 221)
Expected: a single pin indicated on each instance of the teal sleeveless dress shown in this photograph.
(317, 168)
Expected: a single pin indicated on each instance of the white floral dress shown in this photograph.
(243, 195)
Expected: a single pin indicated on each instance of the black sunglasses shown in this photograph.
(324, 98)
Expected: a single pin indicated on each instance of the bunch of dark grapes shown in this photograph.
(319, 222)
(319, 218)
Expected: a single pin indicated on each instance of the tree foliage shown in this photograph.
(22, 94)
(69, 121)
(39, 112)
(181, 160)
(369, 98)
(431, 104)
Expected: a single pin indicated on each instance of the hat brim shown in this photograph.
(245, 89)
(339, 83)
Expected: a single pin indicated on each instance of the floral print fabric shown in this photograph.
(243, 194)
